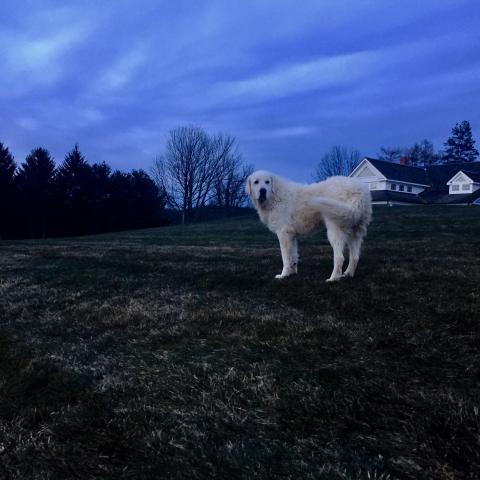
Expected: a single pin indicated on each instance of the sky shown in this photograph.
(288, 79)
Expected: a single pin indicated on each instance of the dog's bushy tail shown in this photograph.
(334, 209)
(356, 212)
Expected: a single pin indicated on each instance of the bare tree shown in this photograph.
(178, 171)
(229, 188)
(339, 160)
(190, 169)
(389, 154)
(422, 154)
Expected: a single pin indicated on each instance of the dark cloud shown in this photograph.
(288, 79)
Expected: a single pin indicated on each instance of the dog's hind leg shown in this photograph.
(289, 250)
(337, 240)
(354, 245)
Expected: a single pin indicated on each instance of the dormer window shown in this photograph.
(464, 183)
(402, 188)
(393, 186)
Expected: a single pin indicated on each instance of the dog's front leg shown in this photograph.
(289, 250)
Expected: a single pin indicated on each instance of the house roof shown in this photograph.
(434, 176)
(444, 198)
(439, 175)
(390, 196)
(401, 173)
(475, 176)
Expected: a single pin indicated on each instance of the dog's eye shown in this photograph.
(256, 182)
(267, 181)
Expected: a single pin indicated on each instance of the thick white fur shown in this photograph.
(292, 209)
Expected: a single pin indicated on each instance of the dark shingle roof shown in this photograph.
(475, 176)
(389, 196)
(401, 173)
(439, 175)
(445, 198)
(436, 176)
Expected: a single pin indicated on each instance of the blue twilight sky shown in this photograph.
(288, 79)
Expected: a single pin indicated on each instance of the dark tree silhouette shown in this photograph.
(422, 154)
(100, 217)
(338, 161)
(389, 154)
(74, 188)
(135, 201)
(36, 187)
(231, 175)
(8, 202)
(75, 199)
(460, 147)
(194, 167)
(229, 187)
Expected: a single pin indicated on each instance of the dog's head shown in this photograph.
(260, 187)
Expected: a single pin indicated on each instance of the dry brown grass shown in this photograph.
(172, 353)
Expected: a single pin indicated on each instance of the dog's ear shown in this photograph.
(248, 186)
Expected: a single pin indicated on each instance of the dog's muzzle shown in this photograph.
(263, 195)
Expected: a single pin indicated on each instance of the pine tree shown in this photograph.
(7, 190)
(35, 181)
(74, 191)
(460, 147)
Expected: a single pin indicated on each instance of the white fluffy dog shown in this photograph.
(292, 209)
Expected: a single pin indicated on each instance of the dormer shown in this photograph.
(464, 183)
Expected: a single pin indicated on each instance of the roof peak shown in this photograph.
(425, 167)
(392, 163)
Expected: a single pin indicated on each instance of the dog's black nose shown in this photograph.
(263, 195)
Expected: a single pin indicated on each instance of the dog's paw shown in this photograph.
(333, 279)
(347, 275)
(280, 276)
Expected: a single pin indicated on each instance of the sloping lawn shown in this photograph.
(173, 353)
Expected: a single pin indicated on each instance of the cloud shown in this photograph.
(36, 61)
(117, 78)
(298, 78)
(27, 123)
(292, 131)
(120, 72)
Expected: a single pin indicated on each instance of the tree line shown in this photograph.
(39, 199)
(459, 148)
(197, 174)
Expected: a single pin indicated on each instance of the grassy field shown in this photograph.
(173, 353)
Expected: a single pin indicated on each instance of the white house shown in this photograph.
(395, 184)
(392, 183)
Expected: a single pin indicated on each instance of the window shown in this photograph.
(401, 188)
(393, 186)
(409, 189)
(466, 187)
(455, 188)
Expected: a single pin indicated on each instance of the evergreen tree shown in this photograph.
(35, 182)
(147, 202)
(135, 201)
(74, 193)
(100, 218)
(7, 191)
(460, 147)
